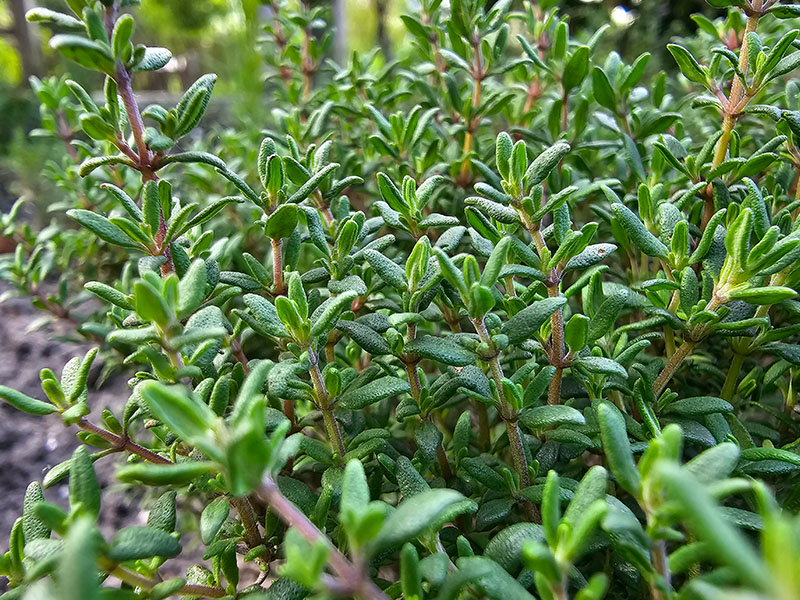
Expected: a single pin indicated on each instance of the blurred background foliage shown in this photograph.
(227, 37)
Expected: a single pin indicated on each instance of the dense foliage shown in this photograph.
(499, 319)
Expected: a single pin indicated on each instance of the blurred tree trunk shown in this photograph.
(384, 42)
(26, 43)
(339, 8)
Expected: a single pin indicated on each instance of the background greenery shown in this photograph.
(226, 37)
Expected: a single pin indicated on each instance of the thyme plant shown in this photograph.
(504, 318)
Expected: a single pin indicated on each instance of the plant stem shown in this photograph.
(672, 365)
(477, 76)
(123, 80)
(557, 351)
(359, 583)
(732, 108)
(484, 434)
(508, 414)
(277, 267)
(416, 393)
(140, 581)
(658, 556)
(729, 387)
(245, 509)
(121, 443)
(559, 590)
(325, 404)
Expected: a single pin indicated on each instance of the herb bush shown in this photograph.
(503, 318)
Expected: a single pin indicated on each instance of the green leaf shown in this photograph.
(633, 157)
(503, 147)
(83, 487)
(600, 365)
(282, 222)
(102, 228)
(526, 323)
(212, 518)
(77, 571)
(309, 186)
(714, 463)
(700, 405)
(322, 320)
(541, 166)
(591, 488)
(551, 508)
(51, 17)
(617, 447)
(726, 544)
(366, 337)
(505, 548)
(603, 92)
(265, 315)
(87, 53)
(188, 417)
(150, 304)
(644, 240)
(442, 350)
(495, 263)
(763, 295)
(157, 475)
(163, 514)
(373, 392)
(426, 511)
(153, 59)
(542, 417)
(193, 104)
(134, 543)
(192, 288)
(392, 273)
(687, 63)
(32, 527)
(25, 403)
(576, 69)
(606, 314)
(121, 38)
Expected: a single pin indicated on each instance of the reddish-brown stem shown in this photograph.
(121, 443)
(733, 107)
(477, 76)
(123, 80)
(672, 365)
(238, 354)
(658, 556)
(557, 350)
(145, 583)
(357, 579)
(245, 509)
(277, 267)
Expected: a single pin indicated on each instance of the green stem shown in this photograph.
(729, 387)
(508, 414)
(325, 404)
(416, 393)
